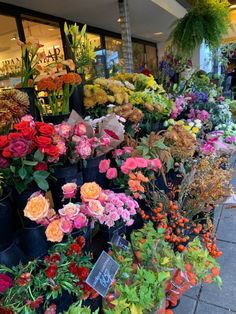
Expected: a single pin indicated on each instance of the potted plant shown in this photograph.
(30, 58)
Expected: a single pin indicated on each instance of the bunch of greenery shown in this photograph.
(207, 20)
(77, 308)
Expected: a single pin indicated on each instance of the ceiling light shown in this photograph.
(119, 20)
(158, 34)
(51, 29)
(14, 37)
(232, 7)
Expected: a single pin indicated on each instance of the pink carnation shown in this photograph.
(105, 140)
(104, 165)
(111, 173)
(84, 149)
(80, 129)
(61, 147)
(64, 130)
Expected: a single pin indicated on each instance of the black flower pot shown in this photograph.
(91, 171)
(55, 119)
(12, 256)
(108, 233)
(63, 175)
(77, 100)
(33, 242)
(20, 201)
(6, 220)
(94, 304)
(33, 109)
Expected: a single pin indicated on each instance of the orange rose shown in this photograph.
(54, 232)
(90, 191)
(37, 208)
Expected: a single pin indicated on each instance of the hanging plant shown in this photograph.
(207, 20)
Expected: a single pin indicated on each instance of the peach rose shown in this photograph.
(95, 208)
(37, 208)
(90, 191)
(69, 210)
(69, 190)
(54, 232)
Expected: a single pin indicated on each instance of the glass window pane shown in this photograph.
(151, 59)
(98, 67)
(49, 35)
(114, 55)
(10, 54)
(138, 56)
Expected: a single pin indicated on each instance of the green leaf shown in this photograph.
(22, 173)
(42, 184)
(38, 155)
(30, 163)
(66, 30)
(41, 174)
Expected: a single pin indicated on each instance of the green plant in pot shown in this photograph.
(82, 49)
(207, 21)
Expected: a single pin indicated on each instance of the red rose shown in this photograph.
(52, 151)
(6, 153)
(28, 133)
(74, 248)
(22, 125)
(3, 141)
(83, 273)
(81, 241)
(41, 166)
(5, 283)
(18, 148)
(43, 141)
(14, 136)
(45, 129)
(51, 271)
(4, 163)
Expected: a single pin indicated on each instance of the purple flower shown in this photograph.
(230, 139)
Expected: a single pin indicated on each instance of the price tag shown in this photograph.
(120, 242)
(103, 274)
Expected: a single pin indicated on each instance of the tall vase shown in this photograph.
(91, 171)
(77, 98)
(12, 256)
(33, 109)
(6, 220)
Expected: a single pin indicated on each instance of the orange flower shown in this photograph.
(90, 191)
(132, 176)
(37, 208)
(71, 78)
(215, 271)
(135, 186)
(53, 231)
(46, 84)
(141, 177)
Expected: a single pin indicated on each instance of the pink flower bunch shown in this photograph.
(118, 207)
(208, 149)
(180, 103)
(104, 167)
(202, 115)
(122, 151)
(134, 163)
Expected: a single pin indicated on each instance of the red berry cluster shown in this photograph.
(210, 243)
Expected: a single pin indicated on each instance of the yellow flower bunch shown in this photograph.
(192, 127)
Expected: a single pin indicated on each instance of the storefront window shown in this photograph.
(98, 67)
(10, 64)
(49, 36)
(151, 59)
(138, 57)
(114, 55)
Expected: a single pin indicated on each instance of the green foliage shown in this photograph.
(77, 308)
(207, 20)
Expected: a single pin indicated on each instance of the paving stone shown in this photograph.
(193, 292)
(224, 297)
(227, 225)
(210, 309)
(186, 306)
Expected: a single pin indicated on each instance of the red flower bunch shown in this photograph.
(35, 304)
(5, 283)
(51, 271)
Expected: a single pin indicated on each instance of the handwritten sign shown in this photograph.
(103, 274)
(120, 242)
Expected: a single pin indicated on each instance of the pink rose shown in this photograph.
(105, 140)
(61, 147)
(102, 197)
(114, 216)
(66, 225)
(80, 221)
(5, 283)
(69, 210)
(95, 208)
(156, 163)
(4, 163)
(64, 130)
(111, 173)
(19, 148)
(84, 149)
(69, 190)
(104, 165)
(141, 162)
(80, 129)
(128, 165)
(118, 152)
